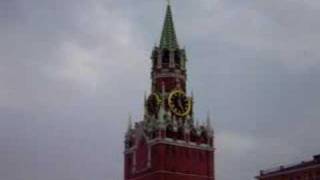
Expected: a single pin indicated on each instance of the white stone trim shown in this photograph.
(169, 139)
(204, 145)
(170, 172)
(168, 74)
(286, 172)
(208, 148)
(181, 141)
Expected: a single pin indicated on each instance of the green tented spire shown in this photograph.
(168, 36)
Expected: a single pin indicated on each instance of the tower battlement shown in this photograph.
(171, 131)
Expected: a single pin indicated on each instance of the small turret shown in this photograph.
(129, 124)
(145, 106)
(162, 111)
(208, 125)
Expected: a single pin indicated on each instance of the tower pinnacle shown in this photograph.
(168, 36)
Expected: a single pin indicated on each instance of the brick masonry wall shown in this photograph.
(174, 162)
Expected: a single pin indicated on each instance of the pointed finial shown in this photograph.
(175, 124)
(161, 111)
(145, 106)
(162, 106)
(145, 99)
(168, 2)
(198, 127)
(168, 38)
(163, 88)
(193, 103)
(145, 96)
(209, 126)
(178, 84)
(129, 122)
(197, 123)
(208, 120)
(186, 126)
(161, 119)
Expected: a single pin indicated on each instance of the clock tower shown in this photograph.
(167, 144)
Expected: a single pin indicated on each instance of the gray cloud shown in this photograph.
(71, 71)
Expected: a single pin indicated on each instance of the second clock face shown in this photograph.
(153, 103)
(179, 103)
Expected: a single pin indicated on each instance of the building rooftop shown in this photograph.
(295, 166)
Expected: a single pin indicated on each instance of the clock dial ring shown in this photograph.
(153, 103)
(179, 103)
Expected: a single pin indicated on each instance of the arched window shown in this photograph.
(165, 57)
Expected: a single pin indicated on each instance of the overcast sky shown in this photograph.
(72, 70)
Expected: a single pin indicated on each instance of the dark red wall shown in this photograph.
(303, 173)
(172, 162)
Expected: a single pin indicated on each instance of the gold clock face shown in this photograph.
(153, 103)
(179, 103)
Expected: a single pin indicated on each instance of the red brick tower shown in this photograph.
(167, 144)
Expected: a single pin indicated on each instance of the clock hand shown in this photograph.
(180, 104)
